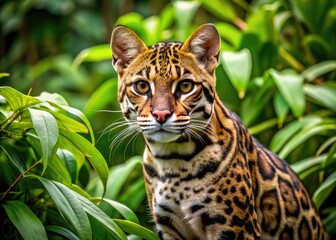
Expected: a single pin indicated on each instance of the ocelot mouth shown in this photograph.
(163, 136)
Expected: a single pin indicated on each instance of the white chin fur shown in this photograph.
(163, 137)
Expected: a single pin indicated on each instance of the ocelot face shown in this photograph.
(167, 89)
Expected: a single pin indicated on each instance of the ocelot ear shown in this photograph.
(126, 46)
(204, 43)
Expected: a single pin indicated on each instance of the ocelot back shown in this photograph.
(206, 177)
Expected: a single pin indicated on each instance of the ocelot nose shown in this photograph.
(161, 115)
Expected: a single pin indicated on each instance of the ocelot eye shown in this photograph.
(142, 87)
(185, 86)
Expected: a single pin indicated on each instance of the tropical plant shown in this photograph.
(45, 163)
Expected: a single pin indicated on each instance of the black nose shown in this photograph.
(161, 116)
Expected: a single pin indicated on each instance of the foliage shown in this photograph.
(42, 157)
(277, 71)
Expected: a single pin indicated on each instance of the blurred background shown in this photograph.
(277, 71)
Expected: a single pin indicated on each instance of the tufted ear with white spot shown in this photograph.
(204, 43)
(126, 46)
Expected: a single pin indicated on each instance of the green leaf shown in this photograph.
(221, 8)
(318, 70)
(281, 108)
(238, 66)
(290, 86)
(101, 217)
(62, 231)
(285, 134)
(13, 155)
(69, 207)
(47, 130)
(187, 9)
(322, 193)
(101, 97)
(136, 229)
(90, 152)
(303, 135)
(2, 75)
(26, 222)
(16, 100)
(93, 54)
(70, 162)
(307, 166)
(122, 209)
(323, 95)
(81, 115)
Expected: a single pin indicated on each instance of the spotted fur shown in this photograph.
(206, 177)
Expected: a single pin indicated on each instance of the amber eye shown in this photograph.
(142, 87)
(185, 86)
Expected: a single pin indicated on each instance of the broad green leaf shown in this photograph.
(187, 9)
(118, 176)
(101, 217)
(220, 8)
(70, 162)
(291, 88)
(285, 134)
(16, 100)
(93, 54)
(281, 108)
(303, 135)
(238, 66)
(57, 171)
(307, 166)
(136, 229)
(230, 33)
(101, 97)
(25, 221)
(68, 123)
(81, 115)
(134, 195)
(62, 231)
(325, 189)
(122, 209)
(318, 70)
(47, 130)
(53, 98)
(323, 95)
(91, 153)
(70, 207)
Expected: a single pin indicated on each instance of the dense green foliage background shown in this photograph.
(277, 71)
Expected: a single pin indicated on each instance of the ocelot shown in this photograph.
(206, 177)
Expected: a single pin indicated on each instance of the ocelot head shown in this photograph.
(167, 89)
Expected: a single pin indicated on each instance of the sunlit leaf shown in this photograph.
(291, 88)
(93, 54)
(26, 222)
(16, 100)
(238, 66)
(221, 8)
(281, 108)
(318, 70)
(323, 95)
(136, 229)
(47, 130)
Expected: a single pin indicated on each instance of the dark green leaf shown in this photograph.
(26, 222)
(70, 162)
(90, 152)
(62, 231)
(322, 193)
(47, 130)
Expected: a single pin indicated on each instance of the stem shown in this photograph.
(18, 179)
(291, 60)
